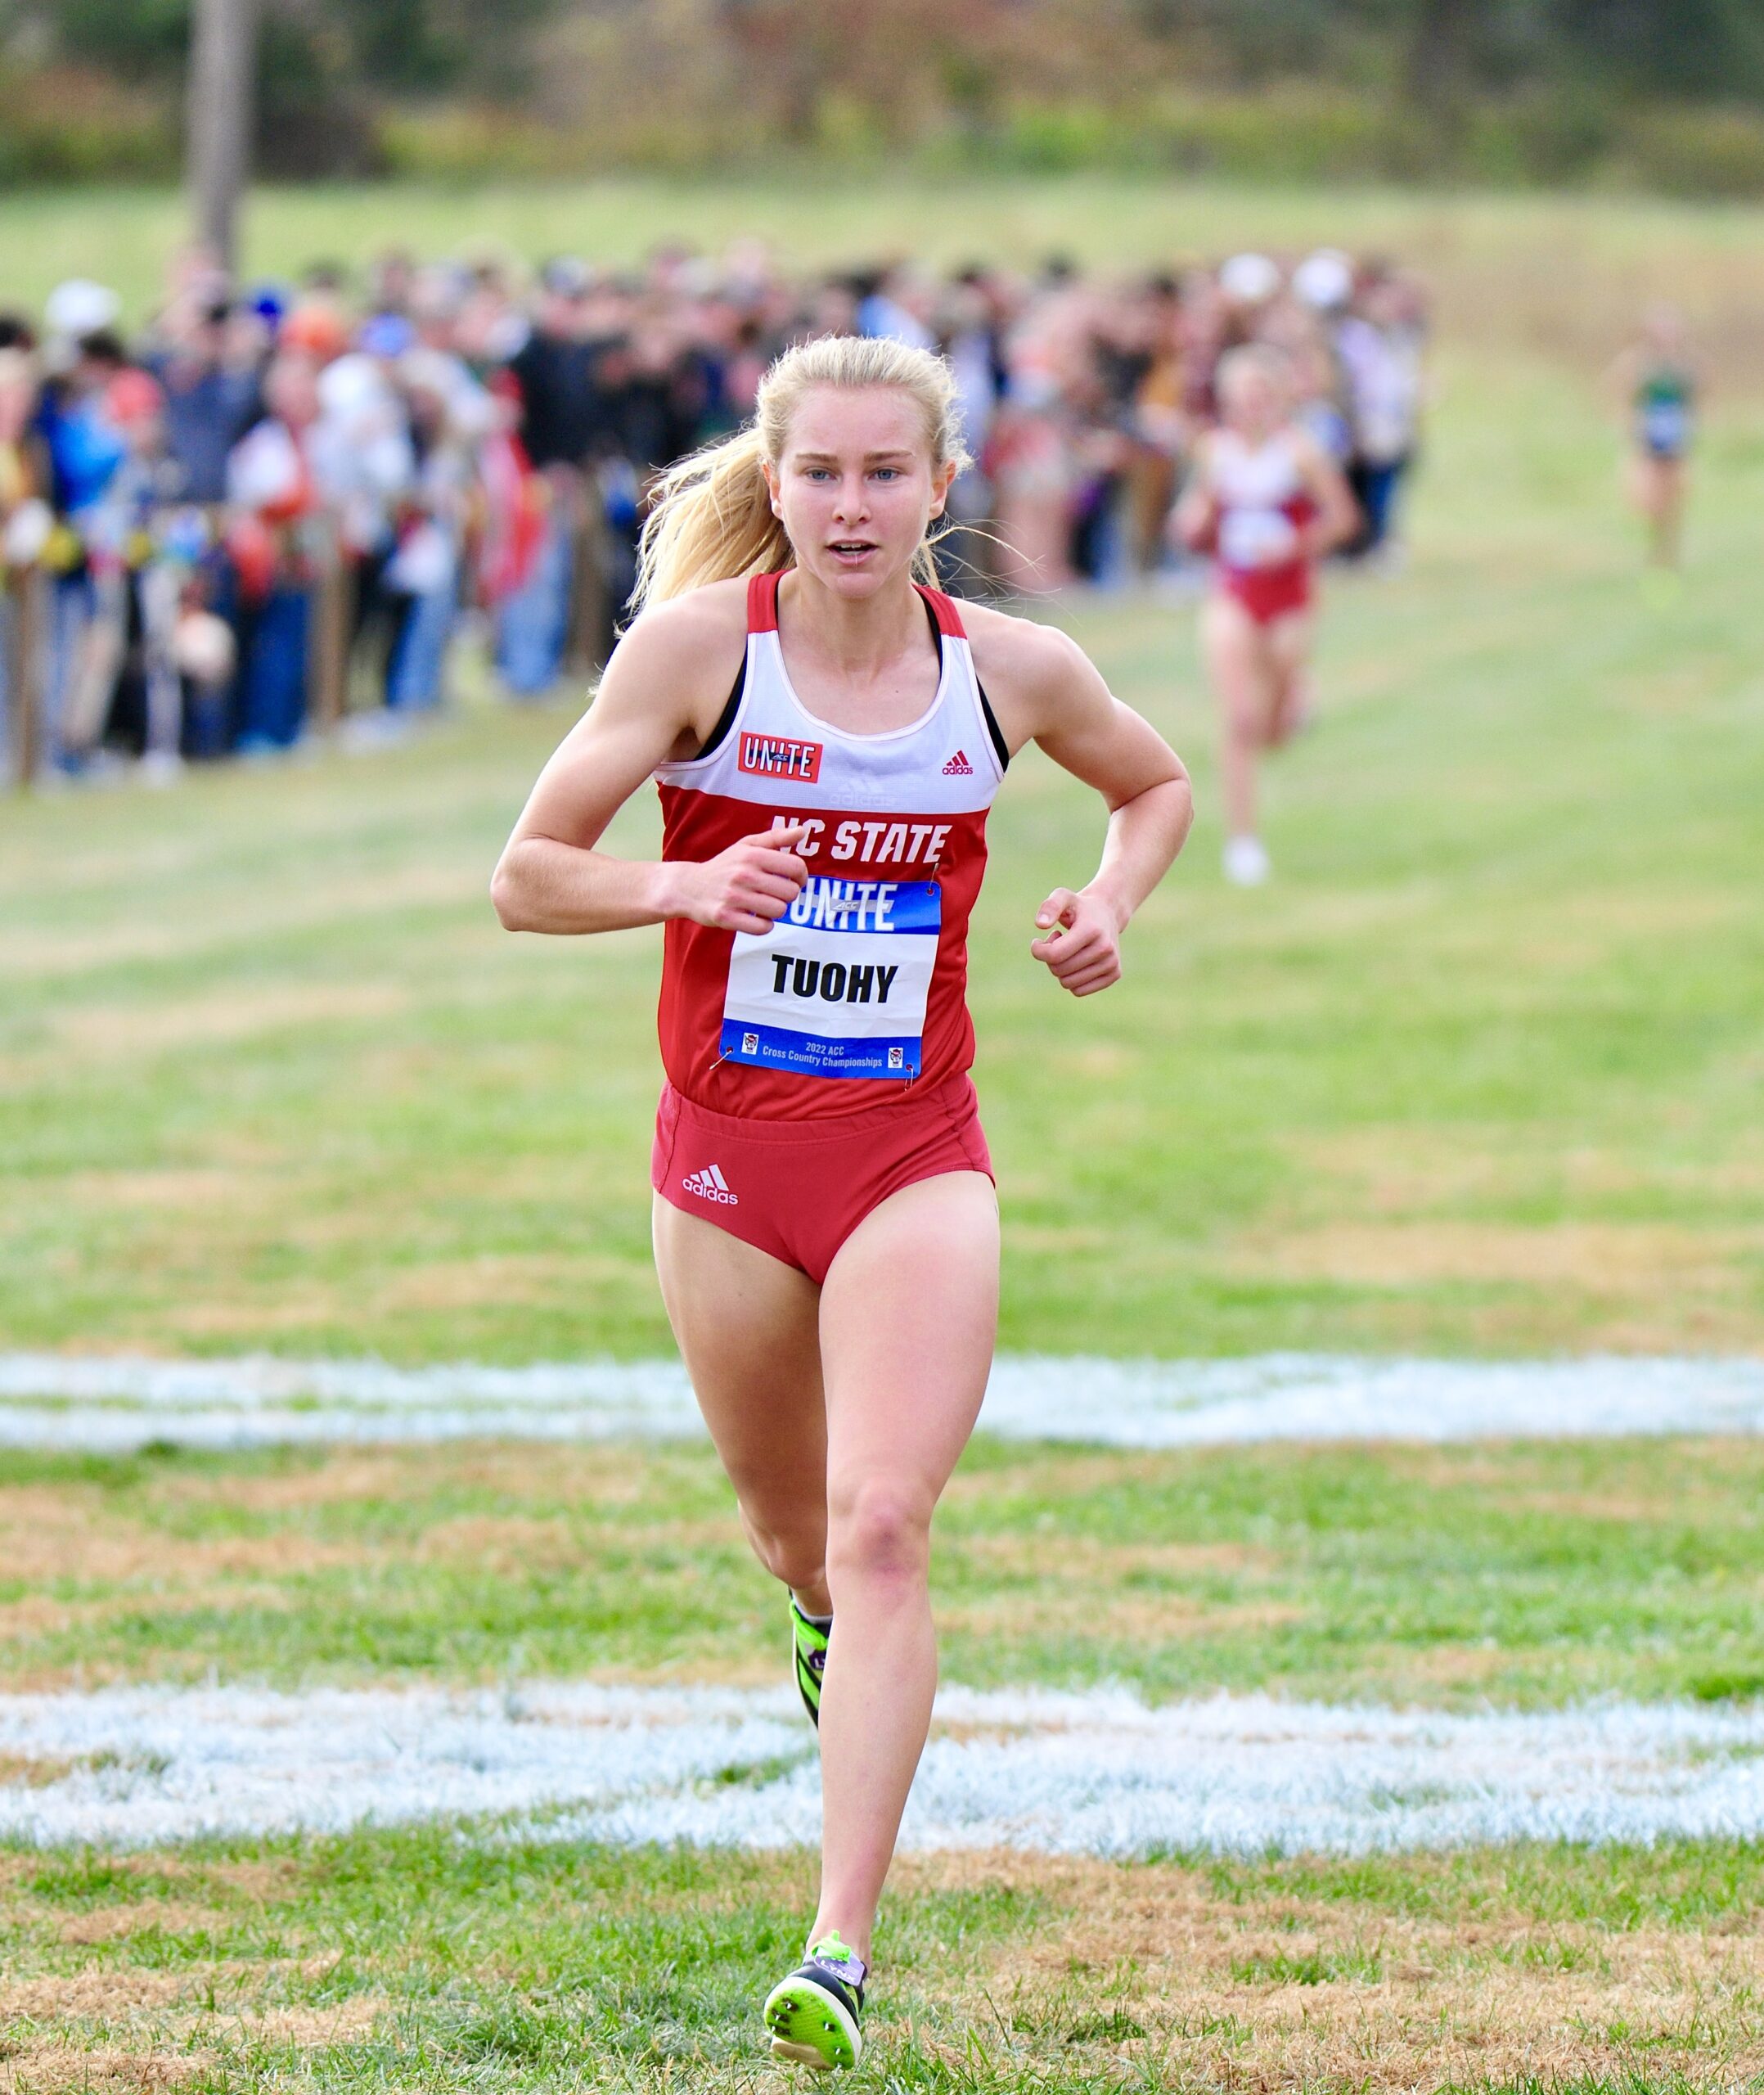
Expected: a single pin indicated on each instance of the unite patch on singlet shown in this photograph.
(838, 987)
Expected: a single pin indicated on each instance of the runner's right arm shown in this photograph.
(658, 699)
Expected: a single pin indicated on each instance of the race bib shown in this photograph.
(1256, 538)
(838, 987)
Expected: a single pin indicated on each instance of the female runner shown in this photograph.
(827, 734)
(1659, 388)
(1268, 502)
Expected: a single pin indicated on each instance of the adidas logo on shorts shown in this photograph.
(958, 766)
(709, 1184)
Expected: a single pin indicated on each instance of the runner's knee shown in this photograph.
(879, 1532)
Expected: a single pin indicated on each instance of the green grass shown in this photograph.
(1530, 1576)
(412, 1959)
(1478, 1074)
(1521, 270)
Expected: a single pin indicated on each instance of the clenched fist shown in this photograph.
(747, 888)
(1083, 948)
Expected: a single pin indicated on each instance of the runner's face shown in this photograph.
(1252, 403)
(855, 487)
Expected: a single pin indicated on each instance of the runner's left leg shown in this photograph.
(1288, 641)
(909, 1314)
(1238, 672)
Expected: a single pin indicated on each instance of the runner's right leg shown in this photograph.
(1666, 509)
(748, 1328)
(1288, 642)
(1239, 677)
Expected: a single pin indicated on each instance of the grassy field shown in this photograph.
(1533, 1576)
(1564, 275)
(415, 1960)
(1478, 1074)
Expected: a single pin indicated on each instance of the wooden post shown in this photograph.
(218, 107)
(24, 589)
(328, 633)
(592, 610)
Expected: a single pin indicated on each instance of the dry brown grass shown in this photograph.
(226, 1014)
(93, 1560)
(224, 918)
(42, 1616)
(140, 1916)
(1655, 1485)
(168, 1188)
(1416, 2004)
(102, 1993)
(612, 1475)
(1148, 1617)
(163, 2049)
(51, 2067)
(26, 1770)
(532, 1279)
(49, 1535)
(1246, 1990)
(1645, 1258)
(511, 1544)
(1083, 1556)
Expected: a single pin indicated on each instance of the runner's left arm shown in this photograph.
(1087, 731)
(1338, 517)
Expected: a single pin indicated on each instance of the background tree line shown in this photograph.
(1664, 92)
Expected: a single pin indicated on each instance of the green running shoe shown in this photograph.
(808, 1637)
(813, 2014)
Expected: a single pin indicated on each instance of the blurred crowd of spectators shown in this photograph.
(284, 506)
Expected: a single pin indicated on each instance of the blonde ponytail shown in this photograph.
(712, 519)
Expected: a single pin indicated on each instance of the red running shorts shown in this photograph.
(1268, 593)
(797, 1189)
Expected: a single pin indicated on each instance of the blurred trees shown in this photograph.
(1520, 89)
(325, 63)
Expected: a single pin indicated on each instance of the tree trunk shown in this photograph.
(1438, 51)
(218, 114)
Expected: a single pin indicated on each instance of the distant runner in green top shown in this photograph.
(1659, 385)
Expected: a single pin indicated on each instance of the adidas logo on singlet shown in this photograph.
(709, 1184)
(958, 766)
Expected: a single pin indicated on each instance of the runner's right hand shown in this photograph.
(747, 888)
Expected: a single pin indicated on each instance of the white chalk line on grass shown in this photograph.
(115, 1403)
(1096, 1774)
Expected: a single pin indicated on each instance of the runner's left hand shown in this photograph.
(1083, 948)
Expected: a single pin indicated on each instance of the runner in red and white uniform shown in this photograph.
(1267, 502)
(827, 734)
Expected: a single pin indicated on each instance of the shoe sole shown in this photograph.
(810, 2028)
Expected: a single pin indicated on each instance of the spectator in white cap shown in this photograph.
(1249, 279)
(80, 308)
(1325, 281)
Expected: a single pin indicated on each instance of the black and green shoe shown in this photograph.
(808, 1637)
(813, 2014)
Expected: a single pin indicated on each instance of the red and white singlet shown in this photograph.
(1262, 506)
(859, 991)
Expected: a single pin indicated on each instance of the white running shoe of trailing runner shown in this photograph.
(813, 2014)
(1246, 862)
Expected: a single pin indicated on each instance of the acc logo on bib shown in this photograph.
(838, 987)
